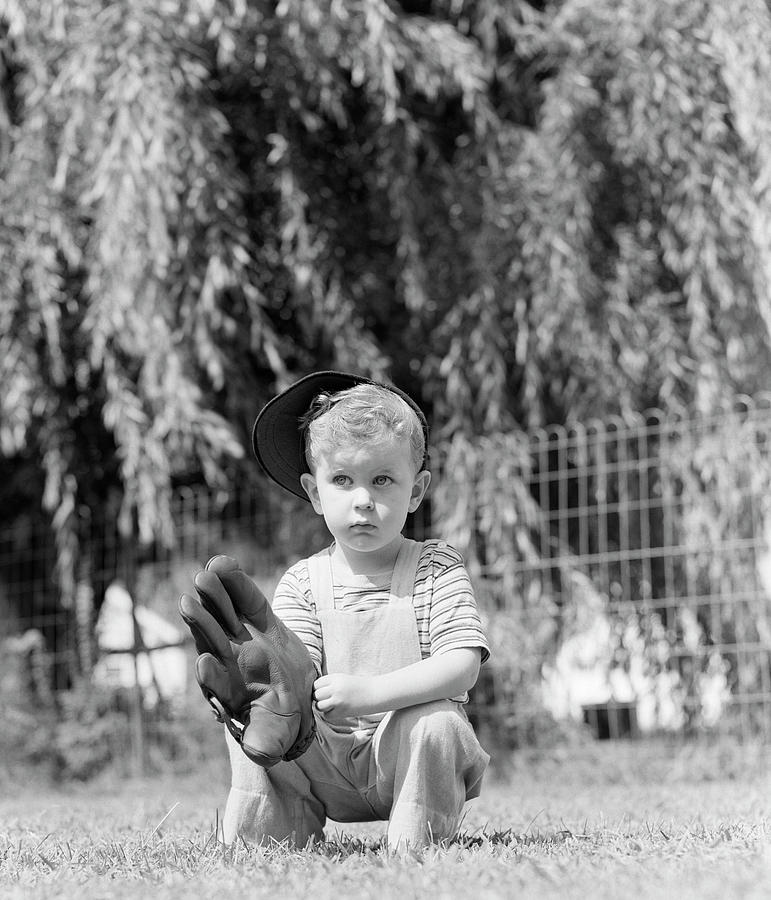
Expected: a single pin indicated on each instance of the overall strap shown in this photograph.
(405, 570)
(320, 577)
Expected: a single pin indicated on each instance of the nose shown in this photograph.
(362, 499)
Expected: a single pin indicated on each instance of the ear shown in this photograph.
(419, 488)
(310, 487)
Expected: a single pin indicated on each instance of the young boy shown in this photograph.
(391, 626)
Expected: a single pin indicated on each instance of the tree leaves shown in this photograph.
(524, 213)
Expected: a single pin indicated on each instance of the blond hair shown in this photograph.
(365, 413)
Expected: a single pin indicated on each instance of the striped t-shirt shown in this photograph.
(445, 608)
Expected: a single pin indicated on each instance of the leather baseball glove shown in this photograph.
(256, 674)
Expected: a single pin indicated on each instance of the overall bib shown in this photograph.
(414, 767)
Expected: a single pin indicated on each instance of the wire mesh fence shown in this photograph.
(652, 550)
(642, 606)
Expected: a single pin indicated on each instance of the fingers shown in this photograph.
(206, 630)
(221, 563)
(322, 693)
(213, 678)
(216, 600)
(246, 597)
(267, 736)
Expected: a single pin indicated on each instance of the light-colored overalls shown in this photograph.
(414, 766)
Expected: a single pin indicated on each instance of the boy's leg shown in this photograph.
(275, 803)
(426, 763)
(293, 799)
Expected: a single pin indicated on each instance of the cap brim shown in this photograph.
(276, 438)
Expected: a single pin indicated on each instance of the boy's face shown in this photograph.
(364, 493)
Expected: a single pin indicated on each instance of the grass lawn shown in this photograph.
(591, 821)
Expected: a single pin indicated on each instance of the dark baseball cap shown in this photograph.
(277, 438)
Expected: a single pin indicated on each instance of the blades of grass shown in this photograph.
(164, 818)
(157, 827)
(42, 841)
(530, 823)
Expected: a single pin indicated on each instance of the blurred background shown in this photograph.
(549, 222)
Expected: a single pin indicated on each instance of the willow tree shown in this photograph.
(623, 242)
(626, 265)
(522, 212)
(200, 201)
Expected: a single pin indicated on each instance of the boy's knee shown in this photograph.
(429, 751)
(437, 722)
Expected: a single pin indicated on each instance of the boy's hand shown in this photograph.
(346, 695)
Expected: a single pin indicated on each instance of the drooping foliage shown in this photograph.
(522, 212)
(622, 238)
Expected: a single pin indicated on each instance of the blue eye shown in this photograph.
(341, 480)
(381, 480)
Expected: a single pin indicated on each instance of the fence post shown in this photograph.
(138, 724)
(137, 712)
